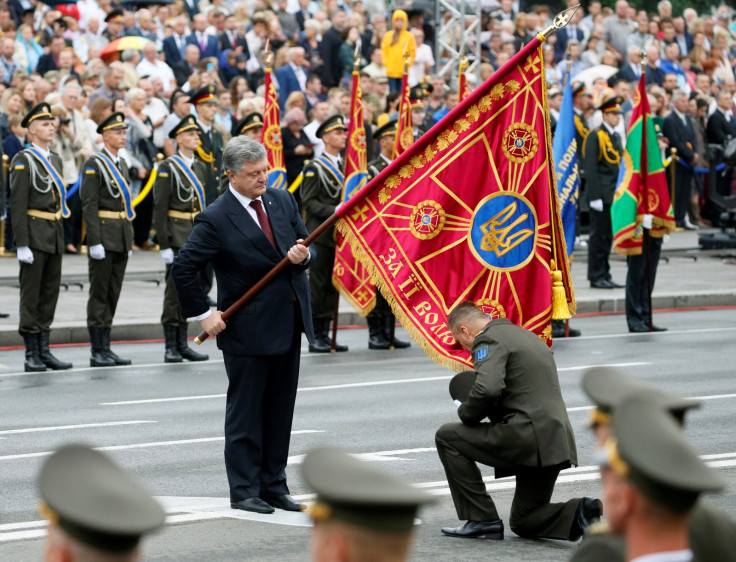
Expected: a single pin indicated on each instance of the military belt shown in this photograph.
(112, 215)
(181, 214)
(44, 214)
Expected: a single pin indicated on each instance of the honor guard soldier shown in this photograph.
(211, 143)
(96, 510)
(108, 215)
(251, 125)
(321, 195)
(712, 532)
(361, 512)
(37, 204)
(178, 196)
(381, 320)
(601, 162)
(114, 29)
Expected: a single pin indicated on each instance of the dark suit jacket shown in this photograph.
(182, 72)
(226, 236)
(212, 49)
(517, 388)
(328, 50)
(240, 41)
(287, 83)
(600, 174)
(628, 74)
(654, 75)
(46, 63)
(563, 36)
(12, 146)
(682, 138)
(718, 129)
(171, 51)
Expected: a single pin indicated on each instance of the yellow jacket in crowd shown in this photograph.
(392, 51)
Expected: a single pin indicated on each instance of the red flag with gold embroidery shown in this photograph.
(349, 275)
(462, 81)
(469, 212)
(271, 136)
(405, 126)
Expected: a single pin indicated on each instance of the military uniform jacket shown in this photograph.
(32, 188)
(209, 153)
(581, 134)
(601, 162)
(98, 193)
(376, 166)
(321, 193)
(174, 192)
(517, 388)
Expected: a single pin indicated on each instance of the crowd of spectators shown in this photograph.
(67, 56)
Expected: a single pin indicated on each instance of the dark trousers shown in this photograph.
(105, 283)
(258, 414)
(599, 244)
(323, 292)
(171, 315)
(394, 84)
(637, 292)
(39, 291)
(532, 514)
(73, 225)
(683, 189)
(143, 219)
(382, 308)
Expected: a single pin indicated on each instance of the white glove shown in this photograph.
(130, 253)
(646, 221)
(338, 207)
(597, 205)
(168, 256)
(458, 403)
(25, 255)
(97, 252)
(665, 238)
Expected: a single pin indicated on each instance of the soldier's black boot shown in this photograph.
(558, 330)
(321, 340)
(33, 362)
(389, 327)
(376, 337)
(184, 350)
(48, 359)
(98, 357)
(172, 354)
(109, 352)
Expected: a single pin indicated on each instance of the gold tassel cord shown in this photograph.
(560, 309)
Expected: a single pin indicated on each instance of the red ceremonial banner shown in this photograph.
(462, 81)
(271, 136)
(470, 212)
(405, 126)
(349, 275)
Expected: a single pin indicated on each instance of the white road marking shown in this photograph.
(77, 426)
(353, 385)
(667, 333)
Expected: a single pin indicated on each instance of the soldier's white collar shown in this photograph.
(386, 159)
(45, 151)
(336, 160)
(188, 161)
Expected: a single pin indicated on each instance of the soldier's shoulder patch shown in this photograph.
(481, 353)
(89, 170)
(309, 173)
(163, 173)
(19, 166)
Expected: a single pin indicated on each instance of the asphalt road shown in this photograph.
(164, 422)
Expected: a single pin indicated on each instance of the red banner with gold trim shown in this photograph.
(405, 126)
(470, 212)
(349, 275)
(271, 136)
(462, 81)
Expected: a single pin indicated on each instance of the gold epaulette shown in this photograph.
(605, 146)
(208, 157)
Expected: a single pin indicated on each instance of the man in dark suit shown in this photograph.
(231, 39)
(631, 69)
(175, 43)
(679, 130)
(330, 47)
(209, 46)
(529, 435)
(292, 77)
(187, 66)
(655, 75)
(564, 35)
(601, 162)
(50, 61)
(244, 234)
(721, 128)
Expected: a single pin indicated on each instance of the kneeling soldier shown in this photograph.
(178, 197)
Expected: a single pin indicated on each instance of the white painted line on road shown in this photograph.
(714, 397)
(77, 426)
(667, 333)
(352, 385)
(378, 456)
(145, 445)
(109, 369)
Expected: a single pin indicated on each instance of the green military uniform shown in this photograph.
(107, 219)
(177, 198)
(601, 162)
(321, 194)
(211, 145)
(114, 16)
(530, 435)
(37, 204)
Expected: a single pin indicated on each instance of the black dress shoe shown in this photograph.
(601, 284)
(589, 511)
(4, 315)
(558, 330)
(477, 530)
(254, 504)
(615, 285)
(285, 502)
(656, 328)
(639, 329)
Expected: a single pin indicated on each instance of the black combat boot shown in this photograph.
(109, 352)
(48, 359)
(321, 340)
(33, 362)
(98, 357)
(184, 350)
(376, 337)
(389, 328)
(172, 354)
(558, 330)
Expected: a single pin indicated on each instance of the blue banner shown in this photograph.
(564, 151)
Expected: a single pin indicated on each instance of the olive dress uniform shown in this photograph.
(108, 224)
(529, 435)
(36, 210)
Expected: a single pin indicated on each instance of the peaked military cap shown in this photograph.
(40, 111)
(578, 88)
(650, 451)
(204, 95)
(187, 123)
(332, 123)
(461, 385)
(387, 130)
(608, 387)
(612, 105)
(251, 120)
(418, 93)
(95, 501)
(114, 121)
(358, 493)
(115, 16)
